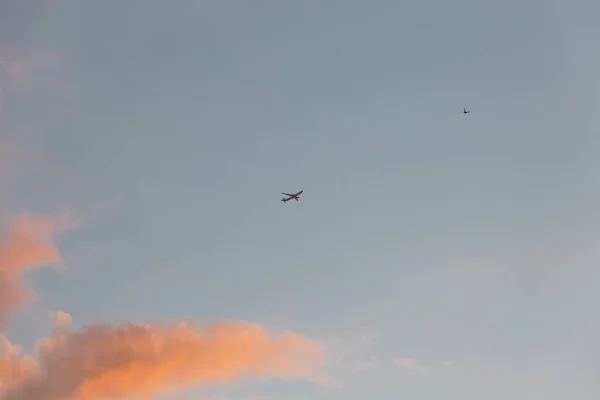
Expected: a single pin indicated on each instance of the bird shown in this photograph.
(465, 111)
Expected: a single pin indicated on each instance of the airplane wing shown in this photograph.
(287, 194)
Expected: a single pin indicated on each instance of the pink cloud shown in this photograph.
(407, 363)
(14, 69)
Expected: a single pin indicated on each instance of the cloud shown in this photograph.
(131, 361)
(60, 320)
(13, 69)
(18, 67)
(351, 354)
(355, 346)
(27, 242)
(407, 363)
(366, 365)
(369, 337)
(14, 367)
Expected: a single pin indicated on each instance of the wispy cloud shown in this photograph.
(26, 242)
(366, 365)
(132, 361)
(408, 363)
(369, 337)
(17, 67)
(11, 71)
(349, 355)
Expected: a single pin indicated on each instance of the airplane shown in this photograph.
(294, 196)
(465, 111)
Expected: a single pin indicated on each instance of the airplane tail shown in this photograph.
(284, 200)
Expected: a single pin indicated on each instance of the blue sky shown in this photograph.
(465, 242)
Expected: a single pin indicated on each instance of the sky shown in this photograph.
(144, 252)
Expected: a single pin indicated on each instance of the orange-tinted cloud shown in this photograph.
(26, 243)
(132, 361)
(14, 367)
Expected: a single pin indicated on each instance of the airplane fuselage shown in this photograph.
(294, 196)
